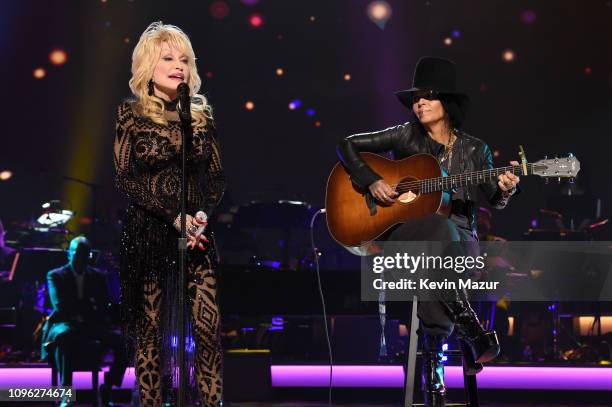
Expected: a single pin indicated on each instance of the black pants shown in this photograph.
(69, 337)
(434, 315)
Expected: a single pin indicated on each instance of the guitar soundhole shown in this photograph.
(408, 190)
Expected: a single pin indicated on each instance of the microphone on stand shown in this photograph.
(184, 104)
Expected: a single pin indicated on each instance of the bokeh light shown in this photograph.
(379, 12)
(456, 34)
(509, 55)
(219, 9)
(208, 74)
(249, 2)
(528, 17)
(126, 40)
(58, 57)
(249, 105)
(495, 153)
(256, 20)
(312, 19)
(317, 123)
(310, 111)
(5, 175)
(39, 73)
(295, 104)
(448, 41)
(347, 76)
(280, 71)
(587, 70)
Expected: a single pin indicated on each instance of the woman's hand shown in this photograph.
(508, 181)
(195, 231)
(383, 192)
(199, 222)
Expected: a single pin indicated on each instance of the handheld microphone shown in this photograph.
(184, 104)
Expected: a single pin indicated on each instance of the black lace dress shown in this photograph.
(147, 164)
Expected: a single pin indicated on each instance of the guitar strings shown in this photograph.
(454, 179)
(460, 176)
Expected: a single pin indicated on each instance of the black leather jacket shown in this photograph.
(404, 141)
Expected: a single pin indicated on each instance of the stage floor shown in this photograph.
(307, 404)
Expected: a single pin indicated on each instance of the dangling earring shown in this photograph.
(150, 84)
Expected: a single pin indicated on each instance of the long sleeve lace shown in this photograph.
(138, 184)
(213, 179)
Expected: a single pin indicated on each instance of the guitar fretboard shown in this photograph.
(461, 180)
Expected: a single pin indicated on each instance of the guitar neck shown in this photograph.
(469, 178)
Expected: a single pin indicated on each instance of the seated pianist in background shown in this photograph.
(81, 300)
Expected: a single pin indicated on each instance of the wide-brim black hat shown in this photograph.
(437, 74)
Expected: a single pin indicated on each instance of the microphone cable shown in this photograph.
(316, 261)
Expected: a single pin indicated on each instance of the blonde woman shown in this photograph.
(147, 163)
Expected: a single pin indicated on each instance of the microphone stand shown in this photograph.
(187, 133)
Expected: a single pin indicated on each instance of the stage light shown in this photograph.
(317, 123)
(310, 111)
(528, 17)
(256, 20)
(126, 40)
(456, 34)
(219, 9)
(39, 73)
(495, 153)
(208, 74)
(347, 76)
(249, 105)
(379, 12)
(588, 70)
(295, 104)
(5, 175)
(312, 19)
(448, 41)
(249, 2)
(280, 71)
(58, 57)
(508, 55)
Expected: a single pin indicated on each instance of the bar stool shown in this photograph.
(469, 381)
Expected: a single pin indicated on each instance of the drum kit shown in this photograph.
(48, 229)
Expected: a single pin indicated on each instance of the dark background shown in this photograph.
(555, 97)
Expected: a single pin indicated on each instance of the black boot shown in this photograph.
(434, 390)
(482, 345)
(470, 366)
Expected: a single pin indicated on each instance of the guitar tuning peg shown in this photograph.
(558, 180)
(572, 180)
(546, 180)
(570, 155)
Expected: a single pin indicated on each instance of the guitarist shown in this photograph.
(439, 110)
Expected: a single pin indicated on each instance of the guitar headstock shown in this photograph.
(562, 167)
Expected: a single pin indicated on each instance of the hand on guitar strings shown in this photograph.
(508, 181)
(383, 192)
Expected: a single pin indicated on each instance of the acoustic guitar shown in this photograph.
(354, 217)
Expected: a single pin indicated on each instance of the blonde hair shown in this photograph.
(144, 59)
